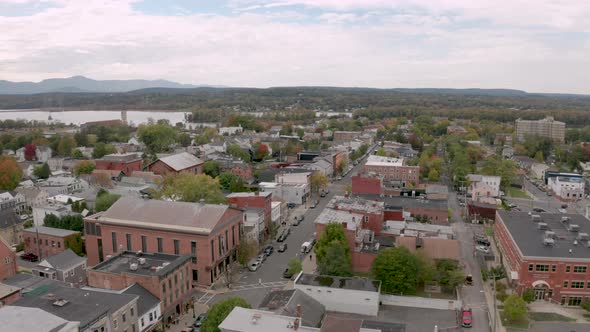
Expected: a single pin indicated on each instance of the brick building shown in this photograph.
(547, 252)
(261, 200)
(7, 260)
(124, 162)
(165, 276)
(210, 233)
(177, 163)
(46, 241)
(11, 227)
(548, 127)
(345, 136)
(393, 170)
(366, 185)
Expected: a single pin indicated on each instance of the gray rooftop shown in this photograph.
(65, 260)
(181, 161)
(399, 202)
(352, 283)
(284, 302)
(156, 264)
(8, 218)
(50, 231)
(360, 204)
(146, 300)
(530, 239)
(15, 318)
(329, 216)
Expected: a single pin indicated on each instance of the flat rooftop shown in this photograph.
(250, 320)
(375, 160)
(399, 202)
(329, 216)
(249, 194)
(156, 264)
(529, 235)
(356, 204)
(352, 283)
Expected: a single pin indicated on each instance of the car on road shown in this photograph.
(287, 274)
(306, 247)
(339, 178)
(261, 258)
(268, 250)
(253, 265)
(313, 204)
(199, 320)
(483, 249)
(466, 317)
(284, 235)
(291, 205)
(512, 205)
(538, 210)
(29, 257)
(282, 247)
(469, 280)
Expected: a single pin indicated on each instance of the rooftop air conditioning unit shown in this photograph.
(133, 266)
(542, 225)
(141, 261)
(548, 242)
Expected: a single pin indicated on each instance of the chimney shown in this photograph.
(299, 310)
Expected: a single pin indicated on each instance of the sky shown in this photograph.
(533, 45)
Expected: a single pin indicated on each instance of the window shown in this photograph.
(115, 325)
(195, 275)
(567, 269)
(132, 327)
(176, 247)
(151, 317)
(213, 250)
(542, 268)
(52, 243)
(553, 268)
(58, 244)
(194, 251)
(164, 287)
(233, 236)
(530, 267)
(226, 241)
(175, 279)
(143, 243)
(124, 318)
(46, 242)
(580, 268)
(72, 272)
(132, 312)
(565, 284)
(574, 300)
(159, 244)
(170, 284)
(577, 284)
(128, 238)
(143, 321)
(7, 260)
(114, 239)
(98, 231)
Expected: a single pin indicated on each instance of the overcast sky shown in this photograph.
(534, 45)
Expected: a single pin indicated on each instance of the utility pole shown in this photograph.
(495, 307)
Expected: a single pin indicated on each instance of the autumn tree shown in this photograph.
(318, 181)
(30, 152)
(187, 187)
(261, 151)
(65, 146)
(10, 173)
(84, 167)
(247, 249)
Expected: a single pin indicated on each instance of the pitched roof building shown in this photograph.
(177, 163)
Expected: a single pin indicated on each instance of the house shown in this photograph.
(66, 185)
(291, 301)
(538, 171)
(86, 151)
(545, 252)
(43, 153)
(124, 162)
(58, 210)
(208, 232)
(65, 267)
(483, 187)
(255, 228)
(290, 193)
(229, 131)
(164, 276)
(456, 130)
(12, 200)
(323, 166)
(149, 311)
(46, 241)
(393, 169)
(437, 192)
(95, 311)
(567, 188)
(11, 227)
(55, 164)
(8, 295)
(33, 197)
(182, 162)
(7, 260)
(20, 155)
(245, 200)
(15, 318)
(507, 152)
(345, 136)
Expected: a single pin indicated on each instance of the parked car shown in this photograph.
(483, 249)
(261, 258)
(29, 257)
(512, 205)
(538, 210)
(562, 211)
(282, 247)
(287, 274)
(253, 265)
(312, 242)
(469, 280)
(564, 206)
(466, 317)
(482, 242)
(199, 320)
(291, 205)
(268, 250)
(313, 205)
(323, 194)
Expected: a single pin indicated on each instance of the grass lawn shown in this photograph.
(549, 316)
(520, 324)
(516, 193)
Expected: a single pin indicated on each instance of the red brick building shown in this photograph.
(7, 260)
(262, 200)
(210, 233)
(393, 169)
(46, 241)
(548, 253)
(366, 185)
(177, 163)
(165, 276)
(124, 162)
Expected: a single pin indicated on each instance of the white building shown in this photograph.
(64, 185)
(33, 196)
(275, 214)
(58, 210)
(538, 171)
(340, 294)
(567, 188)
(12, 200)
(483, 186)
(254, 225)
(229, 131)
(290, 193)
(18, 318)
(43, 153)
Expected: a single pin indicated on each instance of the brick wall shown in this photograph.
(126, 167)
(49, 245)
(396, 173)
(435, 216)
(366, 185)
(160, 168)
(7, 261)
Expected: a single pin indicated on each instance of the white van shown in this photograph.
(253, 265)
(306, 247)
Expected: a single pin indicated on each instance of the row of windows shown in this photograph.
(575, 284)
(53, 243)
(545, 268)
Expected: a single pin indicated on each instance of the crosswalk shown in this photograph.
(207, 297)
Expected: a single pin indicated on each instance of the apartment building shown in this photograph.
(124, 162)
(46, 241)
(547, 127)
(393, 169)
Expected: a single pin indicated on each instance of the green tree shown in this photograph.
(398, 269)
(515, 307)
(585, 304)
(51, 220)
(381, 152)
(336, 261)
(219, 311)
(343, 166)
(231, 182)
(77, 154)
(334, 232)
(528, 295)
(504, 168)
(42, 172)
(539, 156)
(247, 249)
(157, 138)
(101, 149)
(236, 151)
(187, 187)
(318, 182)
(65, 146)
(433, 175)
(84, 167)
(184, 139)
(104, 200)
(10, 173)
(211, 168)
(295, 266)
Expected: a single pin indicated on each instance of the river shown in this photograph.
(80, 117)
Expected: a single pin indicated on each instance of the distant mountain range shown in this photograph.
(81, 84)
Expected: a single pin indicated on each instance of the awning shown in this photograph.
(540, 283)
(513, 275)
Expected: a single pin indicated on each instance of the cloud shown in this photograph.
(412, 43)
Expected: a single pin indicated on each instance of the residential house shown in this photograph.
(65, 267)
(58, 210)
(46, 241)
(291, 303)
(229, 131)
(245, 200)
(182, 162)
(12, 200)
(290, 193)
(66, 185)
(321, 165)
(345, 136)
(55, 164)
(7, 260)
(149, 307)
(11, 227)
(15, 318)
(43, 153)
(254, 226)
(33, 197)
(484, 188)
(538, 171)
(208, 232)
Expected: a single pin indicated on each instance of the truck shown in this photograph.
(306, 247)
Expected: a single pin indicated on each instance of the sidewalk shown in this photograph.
(309, 264)
(187, 319)
(543, 306)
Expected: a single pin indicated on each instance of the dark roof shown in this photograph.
(8, 218)
(121, 263)
(353, 283)
(146, 300)
(284, 302)
(399, 202)
(65, 260)
(529, 238)
(268, 175)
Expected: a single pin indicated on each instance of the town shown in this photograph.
(320, 221)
